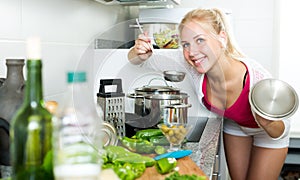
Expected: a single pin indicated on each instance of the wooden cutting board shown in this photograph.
(186, 166)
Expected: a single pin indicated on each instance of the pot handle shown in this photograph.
(156, 78)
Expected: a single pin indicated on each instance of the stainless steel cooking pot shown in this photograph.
(174, 108)
(149, 102)
(273, 99)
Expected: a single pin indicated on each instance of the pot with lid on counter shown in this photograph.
(149, 102)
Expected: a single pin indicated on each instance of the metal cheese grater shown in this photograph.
(111, 99)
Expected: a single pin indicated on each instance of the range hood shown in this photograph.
(140, 2)
(160, 15)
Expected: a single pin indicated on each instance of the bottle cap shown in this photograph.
(76, 77)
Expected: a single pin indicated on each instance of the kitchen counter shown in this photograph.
(204, 152)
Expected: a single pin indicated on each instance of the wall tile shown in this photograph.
(66, 21)
(11, 19)
(254, 33)
(10, 49)
(263, 55)
(243, 9)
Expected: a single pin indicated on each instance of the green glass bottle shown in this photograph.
(31, 131)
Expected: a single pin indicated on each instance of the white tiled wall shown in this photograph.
(68, 27)
(289, 51)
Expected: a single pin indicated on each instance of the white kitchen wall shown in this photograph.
(68, 27)
(288, 50)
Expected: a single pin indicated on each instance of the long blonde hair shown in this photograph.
(215, 21)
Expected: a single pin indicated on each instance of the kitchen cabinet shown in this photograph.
(140, 2)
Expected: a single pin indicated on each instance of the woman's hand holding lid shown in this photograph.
(274, 128)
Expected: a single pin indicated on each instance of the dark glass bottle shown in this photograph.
(11, 98)
(31, 131)
(11, 92)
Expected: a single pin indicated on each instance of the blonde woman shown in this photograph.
(255, 147)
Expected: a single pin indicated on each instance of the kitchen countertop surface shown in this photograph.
(205, 150)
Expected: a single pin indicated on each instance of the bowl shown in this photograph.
(174, 76)
(167, 39)
(273, 99)
(175, 133)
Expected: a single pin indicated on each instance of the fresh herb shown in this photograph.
(177, 176)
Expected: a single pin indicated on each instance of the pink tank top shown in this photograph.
(240, 111)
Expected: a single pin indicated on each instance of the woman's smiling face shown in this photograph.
(201, 48)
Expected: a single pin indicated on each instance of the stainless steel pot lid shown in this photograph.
(167, 96)
(273, 99)
(157, 89)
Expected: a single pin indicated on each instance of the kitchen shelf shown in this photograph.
(140, 2)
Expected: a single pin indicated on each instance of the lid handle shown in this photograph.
(156, 78)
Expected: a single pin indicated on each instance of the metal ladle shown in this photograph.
(174, 76)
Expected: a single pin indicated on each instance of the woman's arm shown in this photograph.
(274, 128)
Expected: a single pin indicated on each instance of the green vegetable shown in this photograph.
(160, 150)
(137, 145)
(147, 133)
(108, 166)
(114, 152)
(125, 172)
(148, 161)
(104, 156)
(130, 143)
(159, 140)
(177, 176)
(127, 165)
(145, 147)
(137, 168)
(165, 165)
